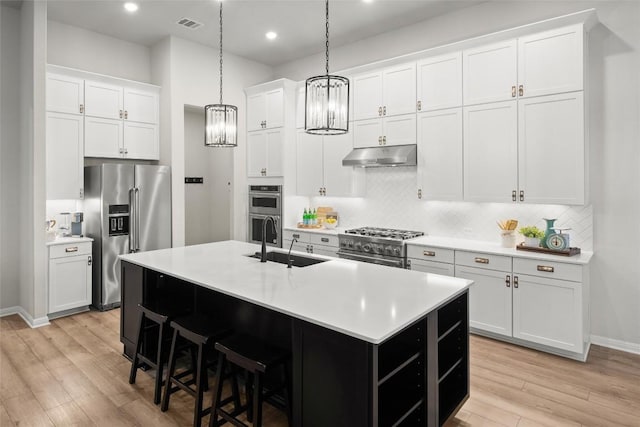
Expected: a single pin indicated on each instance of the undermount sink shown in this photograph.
(283, 258)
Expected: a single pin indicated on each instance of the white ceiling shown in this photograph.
(299, 23)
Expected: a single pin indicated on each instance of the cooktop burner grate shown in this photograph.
(388, 233)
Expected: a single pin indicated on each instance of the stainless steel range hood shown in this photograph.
(392, 155)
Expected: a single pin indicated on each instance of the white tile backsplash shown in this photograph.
(391, 201)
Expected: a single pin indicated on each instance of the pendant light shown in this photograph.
(220, 120)
(326, 99)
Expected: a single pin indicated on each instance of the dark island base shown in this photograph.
(418, 377)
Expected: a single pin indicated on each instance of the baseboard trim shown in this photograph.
(28, 319)
(629, 347)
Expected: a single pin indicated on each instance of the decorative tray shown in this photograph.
(301, 225)
(564, 252)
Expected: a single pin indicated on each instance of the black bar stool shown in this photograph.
(160, 315)
(257, 358)
(201, 332)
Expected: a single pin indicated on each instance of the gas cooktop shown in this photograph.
(387, 233)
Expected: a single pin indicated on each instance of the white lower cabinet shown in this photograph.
(69, 276)
(534, 302)
(313, 243)
(490, 302)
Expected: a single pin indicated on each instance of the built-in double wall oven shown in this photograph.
(265, 201)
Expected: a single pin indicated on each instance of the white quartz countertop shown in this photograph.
(68, 240)
(365, 301)
(495, 248)
(332, 232)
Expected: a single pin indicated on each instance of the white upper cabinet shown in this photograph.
(141, 141)
(551, 149)
(490, 73)
(319, 166)
(399, 90)
(64, 156)
(491, 152)
(103, 100)
(367, 96)
(65, 94)
(103, 137)
(440, 155)
(399, 130)
(140, 106)
(309, 164)
(265, 110)
(551, 62)
(300, 105)
(384, 93)
(264, 153)
(439, 82)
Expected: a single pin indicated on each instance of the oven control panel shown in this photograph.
(367, 246)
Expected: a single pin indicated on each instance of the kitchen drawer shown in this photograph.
(69, 249)
(324, 239)
(550, 269)
(430, 267)
(301, 236)
(481, 260)
(430, 253)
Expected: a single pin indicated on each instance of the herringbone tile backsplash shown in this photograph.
(391, 201)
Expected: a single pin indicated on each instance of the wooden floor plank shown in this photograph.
(69, 414)
(73, 373)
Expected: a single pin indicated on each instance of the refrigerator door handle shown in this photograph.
(133, 225)
(137, 219)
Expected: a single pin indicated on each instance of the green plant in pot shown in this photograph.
(532, 235)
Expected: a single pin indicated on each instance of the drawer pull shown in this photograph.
(324, 239)
(428, 253)
(481, 260)
(73, 249)
(545, 268)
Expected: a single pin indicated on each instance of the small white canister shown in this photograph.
(508, 238)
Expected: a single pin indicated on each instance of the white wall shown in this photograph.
(9, 155)
(33, 45)
(75, 47)
(193, 73)
(614, 129)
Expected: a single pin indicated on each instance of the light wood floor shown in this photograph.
(72, 373)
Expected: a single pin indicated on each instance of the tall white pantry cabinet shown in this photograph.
(90, 115)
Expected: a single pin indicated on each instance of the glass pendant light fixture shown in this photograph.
(326, 99)
(220, 129)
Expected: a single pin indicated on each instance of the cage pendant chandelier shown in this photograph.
(220, 120)
(326, 99)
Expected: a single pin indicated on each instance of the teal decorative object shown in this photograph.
(549, 231)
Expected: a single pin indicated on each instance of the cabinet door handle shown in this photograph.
(380, 111)
(126, 114)
(121, 113)
(513, 91)
(419, 193)
(508, 281)
(265, 124)
(81, 193)
(384, 140)
(515, 281)
(481, 260)
(428, 253)
(89, 260)
(419, 105)
(408, 264)
(379, 140)
(384, 110)
(546, 268)
(320, 191)
(521, 90)
(522, 195)
(513, 195)
(324, 239)
(81, 108)
(72, 249)
(324, 191)
(126, 151)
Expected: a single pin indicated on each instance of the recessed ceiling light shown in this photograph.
(271, 35)
(130, 7)
(367, 1)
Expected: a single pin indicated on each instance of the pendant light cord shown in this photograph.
(327, 36)
(221, 50)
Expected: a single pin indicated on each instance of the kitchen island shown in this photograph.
(371, 345)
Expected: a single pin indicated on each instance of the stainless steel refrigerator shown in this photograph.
(127, 209)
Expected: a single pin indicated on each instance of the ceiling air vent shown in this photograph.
(189, 23)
